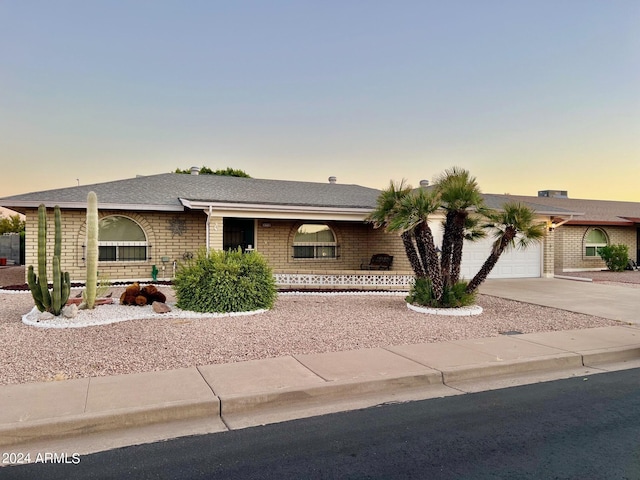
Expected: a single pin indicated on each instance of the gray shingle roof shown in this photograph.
(497, 201)
(163, 192)
(594, 211)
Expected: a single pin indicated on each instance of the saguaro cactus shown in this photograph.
(45, 300)
(92, 250)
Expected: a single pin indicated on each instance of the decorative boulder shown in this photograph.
(160, 307)
(44, 316)
(141, 300)
(70, 311)
(134, 295)
(128, 297)
(152, 294)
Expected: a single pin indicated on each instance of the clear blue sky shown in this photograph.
(527, 95)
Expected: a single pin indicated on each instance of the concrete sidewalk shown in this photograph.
(607, 301)
(67, 414)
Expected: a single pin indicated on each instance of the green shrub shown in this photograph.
(223, 282)
(615, 256)
(421, 293)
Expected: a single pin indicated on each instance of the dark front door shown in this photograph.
(238, 232)
(638, 247)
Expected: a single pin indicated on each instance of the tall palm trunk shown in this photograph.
(458, 243)
(432, 266)
(412, 254)
(446, 256)
(422, 251)
(491, 261)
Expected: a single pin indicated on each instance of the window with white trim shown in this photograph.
(120, 239)
(314, 240)
(594, 240)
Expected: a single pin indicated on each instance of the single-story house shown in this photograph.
(599, 223)
(312, 234)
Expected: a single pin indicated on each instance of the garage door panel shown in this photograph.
(513, 263)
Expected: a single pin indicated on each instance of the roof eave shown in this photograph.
(279, 211)
(610, 223)
(102, 206)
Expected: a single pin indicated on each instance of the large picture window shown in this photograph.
(594, 240)
(314, 241)
(120, 239)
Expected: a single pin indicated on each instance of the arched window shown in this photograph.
(314, 240)
(120, 239)
(594, 240)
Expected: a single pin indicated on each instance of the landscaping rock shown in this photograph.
(44, 316)
(70, 311)
(160, 307)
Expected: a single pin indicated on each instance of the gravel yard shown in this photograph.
(297, 324)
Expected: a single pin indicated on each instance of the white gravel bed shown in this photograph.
(115, 313)
(298, 324)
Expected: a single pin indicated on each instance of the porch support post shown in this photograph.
(214, 231)
(208, 240)
(548, 254)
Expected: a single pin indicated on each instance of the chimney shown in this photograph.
(195, 171)
(424, 183)
(332, 179)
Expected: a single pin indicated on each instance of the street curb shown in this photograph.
(21, 432)
(218, 406)
(610, 355)
(556, 362)
(331, 391)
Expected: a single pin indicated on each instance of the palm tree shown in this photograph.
(411, 216)
(460, 195)
(514, 227)
(386, 210)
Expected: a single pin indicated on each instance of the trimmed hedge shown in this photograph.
(225, 281)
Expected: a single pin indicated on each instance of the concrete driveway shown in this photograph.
(607, 301)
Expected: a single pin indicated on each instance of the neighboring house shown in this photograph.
(312, 234)
(600, 223)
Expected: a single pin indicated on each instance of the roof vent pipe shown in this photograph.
(332, 179)
(424, 183)
(195, 171)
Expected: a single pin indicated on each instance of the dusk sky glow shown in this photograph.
(527, 95)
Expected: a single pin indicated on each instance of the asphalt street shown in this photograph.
(580, 428)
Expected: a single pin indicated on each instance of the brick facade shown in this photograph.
(161, 239)
(357, 242)
(570, 246)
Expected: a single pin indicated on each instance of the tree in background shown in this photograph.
(228, 172)
(12, 224)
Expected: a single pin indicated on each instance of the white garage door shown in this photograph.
(513, 263)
